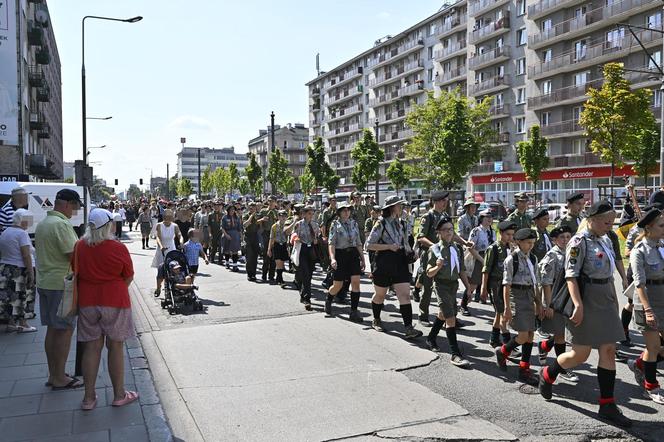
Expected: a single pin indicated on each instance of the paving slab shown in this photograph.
(130, 434)
(102, 418)
(36, 426)
(18, 406)
(96, 436)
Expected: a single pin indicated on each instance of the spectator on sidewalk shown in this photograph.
(19, 200)
(105, 271)
(117, 218)
(54, 243)
(168, 233)
(17, 276)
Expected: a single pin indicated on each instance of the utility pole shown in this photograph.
(377, 166)
(168, 183)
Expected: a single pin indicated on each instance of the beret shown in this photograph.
(520, 196)
(599, 208)
(657, 197)
(522, 234)
(649, 217)
(506, 225)
(574, 197)
(442, 221)
(439, 195)
(282, 213)
(559, 230)
(540, 213)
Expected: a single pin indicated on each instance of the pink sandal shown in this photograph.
(87, 406)
(130, 396)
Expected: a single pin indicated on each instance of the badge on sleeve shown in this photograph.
(573, 252)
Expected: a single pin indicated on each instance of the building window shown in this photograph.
(657, 97)
(547, 55)
(546, 118)
(521, 37)
(614, 38)
(520, 7)
(581, 78)
(432, 29)
(498, 99)
(654, 21)
(580, 50)
(521, 125)
(547, 87)
(521, 95)
(546, 25)
(576, 113)
(430, 75)
(521, 66)
(657, 56)
(430, 51)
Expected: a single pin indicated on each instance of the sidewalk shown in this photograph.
(31, 411)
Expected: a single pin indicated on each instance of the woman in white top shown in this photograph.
(167, 231)
(17, 276)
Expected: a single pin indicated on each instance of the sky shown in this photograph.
(210, 73)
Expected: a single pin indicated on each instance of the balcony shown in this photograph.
(44, 132)
(43, 94)
(36, 76)
(316, 105)
(599, 53)
(480, 7)
(587, 159)
(486, 59)
(341, 131)
(344, 95)
(499, 111)
(586, 23)
(451, 76)
(392, 75)
(36, 121)
(315, 92)
(491, 30)
(345, 112)
(451, 25)
(396, 53)
(392, 117)
(413, 89)
(501, 138)
(385, 98)
(546, 7)
(35, 34)
(395, 137)
(344, 78)
(563, 129)
(564, 95)
(315, 123)
(491, 85)
(451, 51)
(42, 56)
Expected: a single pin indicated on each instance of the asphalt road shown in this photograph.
(483, 391)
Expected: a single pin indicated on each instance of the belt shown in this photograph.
(596, 281)
(522, 287)
(347, 249)
(655, 281)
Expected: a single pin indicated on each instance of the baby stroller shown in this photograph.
(175, 299)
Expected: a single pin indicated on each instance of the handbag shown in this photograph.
(295, 254)
(68, 306)
(561, 300)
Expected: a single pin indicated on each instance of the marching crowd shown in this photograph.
(553, 282)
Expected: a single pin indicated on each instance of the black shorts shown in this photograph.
(348, 264)
(193, 269)
(280, 251)
(390, 268)
(495, 290)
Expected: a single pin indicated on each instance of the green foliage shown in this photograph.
(533, 156)
(244, 187)
(233, 177)
(207, 181)
(332, 180)
(614, 116)
(450, 134)
(220, 180)
(172, 187)
(320, 170)
(397, 174)
(69, 180)
(134, 192)
(307, 184)
(254, 175)
(646, 152)
(278, 174)
(367, 156)
(184, 187)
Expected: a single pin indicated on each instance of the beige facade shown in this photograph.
(535, 59)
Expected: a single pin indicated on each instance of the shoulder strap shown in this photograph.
(494, 250)
(430, 215)
(515, 263)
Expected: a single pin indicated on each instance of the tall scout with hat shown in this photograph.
(543, 243)
(519, 216)
(572, 218)
(359, 213)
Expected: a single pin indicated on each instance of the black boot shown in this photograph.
(354, 302)
(328, 305)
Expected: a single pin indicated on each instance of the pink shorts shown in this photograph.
(93, 322)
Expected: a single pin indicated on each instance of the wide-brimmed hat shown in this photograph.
(392, 200)
(521, 196)
(344, 205)
(469, 202)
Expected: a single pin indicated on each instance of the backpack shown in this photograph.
(515, 262)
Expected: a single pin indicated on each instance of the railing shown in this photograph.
(315, 91)
(611, 49)
(486, 31)
(476, 8)
(544, 5)
(502, 51)
(36, 76)
(565, 93)
(344, 76)
(391, 74)
(412, 89)
(35, 34)
(569, 126)
(340, 95)
(499, 110)
(581, 22)
(384, 98)
(343, 129)
(587, 159)
(36, 121)
(395, 136)
(340, 113)
(456, 47)
(451, 74)
(389, 116)
(452, 23)
(395, 52)
(491, 83)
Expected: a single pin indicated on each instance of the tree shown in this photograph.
(397, 174)
(614, 116)
(367, 156)
(207, 181)
(254, 175)
(233, 177)
(332, 181)
(134, 192)
(646, 152)
(532, 156)
(184, 187)
(307, 183)
(220, 178)
(172, 187)
(320, 170)
(450, 134)
(244, 187)
(278, 174)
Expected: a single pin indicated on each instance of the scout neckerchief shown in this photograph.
(532, 270)
(609, 254)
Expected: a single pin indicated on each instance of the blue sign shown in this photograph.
(498, 166)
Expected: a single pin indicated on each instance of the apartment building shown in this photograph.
(291, 139)
(188, 161)
(534, 59)
(30, 93)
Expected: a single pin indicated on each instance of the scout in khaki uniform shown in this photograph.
(647, 262)
(307, 232)
(468, 221)
(214, 224)
(519, 216)
(252, 247)
(572, 219)
(594, 322)
(543, 243)
(278, 247)
(368, 225)
(326, 218)
(445, 267)
(267, 217)
(552, 271)
(520, 284)
(360, 213)
(492, 280)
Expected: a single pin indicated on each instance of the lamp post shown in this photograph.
(378, 164)
(83, 109)
(98, 118)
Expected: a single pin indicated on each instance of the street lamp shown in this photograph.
(83, 108)
(98, 118)
(378, 164)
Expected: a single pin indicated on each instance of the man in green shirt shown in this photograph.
(266, 218)
(360, 213)
(572, 218)
(54, 244)
(519, 216)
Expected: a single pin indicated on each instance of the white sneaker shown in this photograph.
(639, 376)
(569, 376)
(656, 395)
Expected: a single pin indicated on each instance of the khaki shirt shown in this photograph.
(522, 220)
(443, 251)
(589, 254)
(647, 262)
(428, 225)
(570, 221)
(494, 260)
(523, 274)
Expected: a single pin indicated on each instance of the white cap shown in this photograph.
(174, 264)
(99, 218)
(19, 191)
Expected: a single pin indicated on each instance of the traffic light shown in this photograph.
(140, 181)
(116, 181)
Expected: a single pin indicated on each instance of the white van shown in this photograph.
(41, 198)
